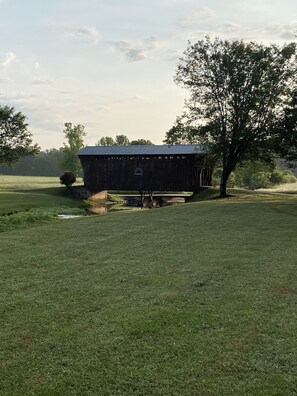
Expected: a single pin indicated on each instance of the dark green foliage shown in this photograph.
(181, 133)
(286, 141)
(67, 179)
(141, 142)
(75, 141)
(15, 139)
(237, 90)
(121, 140)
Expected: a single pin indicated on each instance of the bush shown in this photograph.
(260, 180)
(276, 176)
(68, 178)
(288, 177)
(18, 219)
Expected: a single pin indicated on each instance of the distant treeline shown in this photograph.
(51, 162)
(46, 163)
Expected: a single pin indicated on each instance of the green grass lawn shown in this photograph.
(194, 299)
(19, 193)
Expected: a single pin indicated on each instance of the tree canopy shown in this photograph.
(141, 142)
(15, 139)
(74, 135)
(121, 140)
(237, 94)
(286, 141)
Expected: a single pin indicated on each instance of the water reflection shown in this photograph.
(133, 202)
(100, 208)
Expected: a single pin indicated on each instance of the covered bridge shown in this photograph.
(145, 168)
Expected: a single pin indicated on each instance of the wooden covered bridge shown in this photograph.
(145, 168)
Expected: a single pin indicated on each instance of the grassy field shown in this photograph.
(287, 188)
(194, 299)
(19, 193)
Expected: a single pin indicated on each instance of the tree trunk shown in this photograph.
(223, 184)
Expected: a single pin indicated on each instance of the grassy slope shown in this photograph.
(196, 299)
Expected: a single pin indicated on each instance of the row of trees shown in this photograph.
(243, 102)
(45, 163)
(121, 140)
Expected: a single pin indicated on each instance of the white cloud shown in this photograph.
(228, 27)
(36, 66)
(288, 35)
(199, 14)
(136, 50)
(6, 80)
(7, 59)
(42, 81)
(280, 28)
(138, 97)
(86, 33)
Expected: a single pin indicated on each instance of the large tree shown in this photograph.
(286, 139)
(74, 135)
(237, 92)
(15, 139)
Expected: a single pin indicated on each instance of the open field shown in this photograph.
(19, 193)
(194, 299)
(288, 188)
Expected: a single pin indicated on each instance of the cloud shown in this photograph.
(288, 35)
(6, 80)
(42, 81)
(86, 33)
(7, 59)
(228, 27)
(138, 97)
(280, 28)
(199, 14)
(137, 50)
(18, 97)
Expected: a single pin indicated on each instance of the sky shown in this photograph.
(110, 64)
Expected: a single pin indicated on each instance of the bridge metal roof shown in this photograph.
(176, 149)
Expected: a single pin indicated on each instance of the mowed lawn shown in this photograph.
(18, 193)
(195, 299)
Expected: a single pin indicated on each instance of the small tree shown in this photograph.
(237, 93)
(68, 178)
(75, 141)
(15, 139)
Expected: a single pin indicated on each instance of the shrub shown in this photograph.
(288, 177)
(276, 176)
(68, 178)
(260, 180)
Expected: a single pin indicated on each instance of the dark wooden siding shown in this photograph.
(174, 173)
